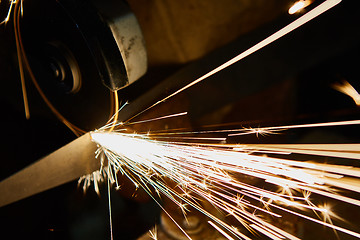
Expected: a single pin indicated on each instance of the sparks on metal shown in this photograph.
(208, 171)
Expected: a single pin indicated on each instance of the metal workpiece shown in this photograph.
(64, 165)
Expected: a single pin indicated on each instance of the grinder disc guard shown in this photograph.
(72, 51)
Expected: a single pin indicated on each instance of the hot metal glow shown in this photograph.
(210, 172)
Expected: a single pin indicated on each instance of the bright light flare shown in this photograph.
(298, 6)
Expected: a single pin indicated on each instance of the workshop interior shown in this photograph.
(81, 51)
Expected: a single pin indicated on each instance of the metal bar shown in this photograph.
(64, 165)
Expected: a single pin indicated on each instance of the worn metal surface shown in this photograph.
(64, 165)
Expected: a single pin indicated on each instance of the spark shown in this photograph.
(110, 209)
(259, 131)
(9, 11)
(194, 138)
(298, 6)
(270, 130)
(208, 171)
(153, 233)
(96, 177)
(158, 118)
(220, 230)
(351, 151)
(346, 88)
(114, 118)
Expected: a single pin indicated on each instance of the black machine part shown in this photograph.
(76, 45)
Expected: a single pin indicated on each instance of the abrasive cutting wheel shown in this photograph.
(75, 48)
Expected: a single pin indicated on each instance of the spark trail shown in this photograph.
(11, 4)
(210, 172)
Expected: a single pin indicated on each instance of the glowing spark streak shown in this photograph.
(231, 229)
(319, 147)
(317, 221)
(335, 196)
(334, 150)
(320, 222)
(110, 156)
(19, 56)
(266, 130)
(346, 88)
(266, 232)
(315, 166)
(116, 115)
(222, 203)
(192, 132)
(169, 193)
(12, 2)
(327, 124)
(291, 149)
(194, 138)
(346, 170)
(280, 231)
(202, 171)
(110, 212)
(153, 233)
(21, 7)
(275, 36)
(259, 222)
(220, 230)
(296, 7)
(172, 219)
(345, 183)
(158, 118)
(271, 196)
(113, 120)
(248, 161)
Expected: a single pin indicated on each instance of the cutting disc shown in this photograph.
(59, 44)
